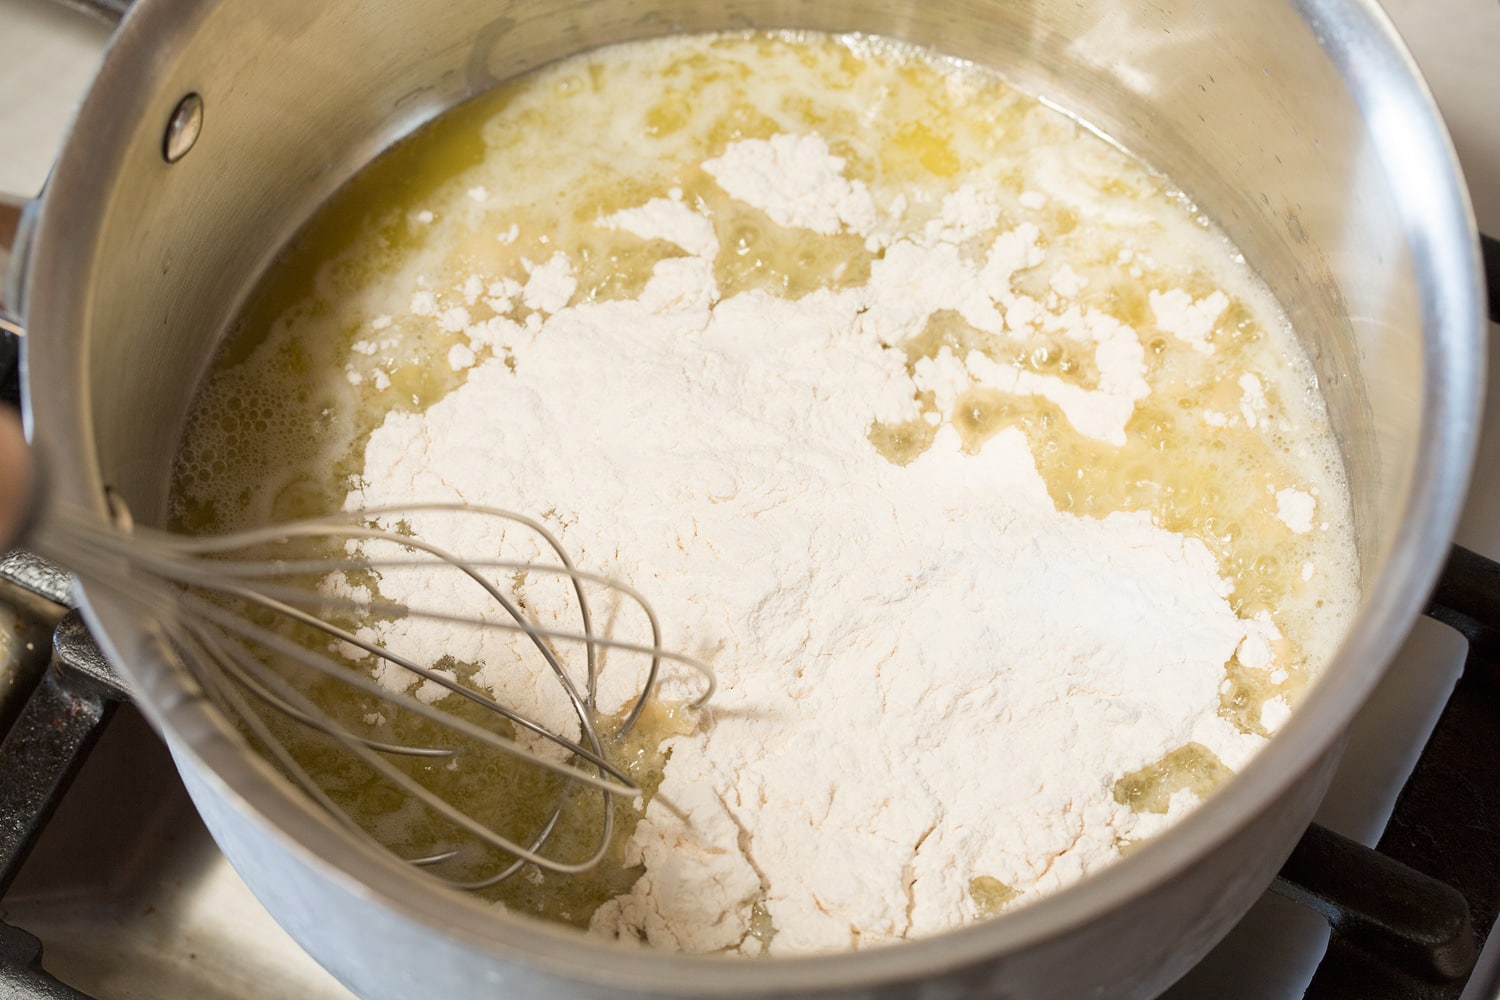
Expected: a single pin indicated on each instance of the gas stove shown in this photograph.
(122, 893)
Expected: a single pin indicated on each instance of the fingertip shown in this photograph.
(16, 476)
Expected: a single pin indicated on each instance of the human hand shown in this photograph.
(16, 477)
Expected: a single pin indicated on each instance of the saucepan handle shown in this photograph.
(17, 220)
(16, 223)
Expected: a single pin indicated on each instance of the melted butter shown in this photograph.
(901, 443)
(990, 895)
(1193, 767)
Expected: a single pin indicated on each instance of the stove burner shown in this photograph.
(41, 753)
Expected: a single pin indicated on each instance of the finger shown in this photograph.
(16, 477)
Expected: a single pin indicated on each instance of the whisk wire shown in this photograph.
(340, 526)
(423, 672)
(240, 661)
(291, 650)
(250, 682)
(234, 660)
(212, 575)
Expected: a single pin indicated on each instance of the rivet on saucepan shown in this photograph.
(183, 128)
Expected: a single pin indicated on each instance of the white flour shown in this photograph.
(912, 695)
(796, 181)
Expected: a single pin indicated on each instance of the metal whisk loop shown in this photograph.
(256, 633)
(223, 655)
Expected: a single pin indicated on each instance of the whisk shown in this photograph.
(252, 615)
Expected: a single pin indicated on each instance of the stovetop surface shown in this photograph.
(132, 899)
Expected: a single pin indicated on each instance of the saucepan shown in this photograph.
(215, 127)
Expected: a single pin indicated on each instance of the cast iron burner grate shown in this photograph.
(1408, 919)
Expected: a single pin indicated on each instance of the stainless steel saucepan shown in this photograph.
(215, 127)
